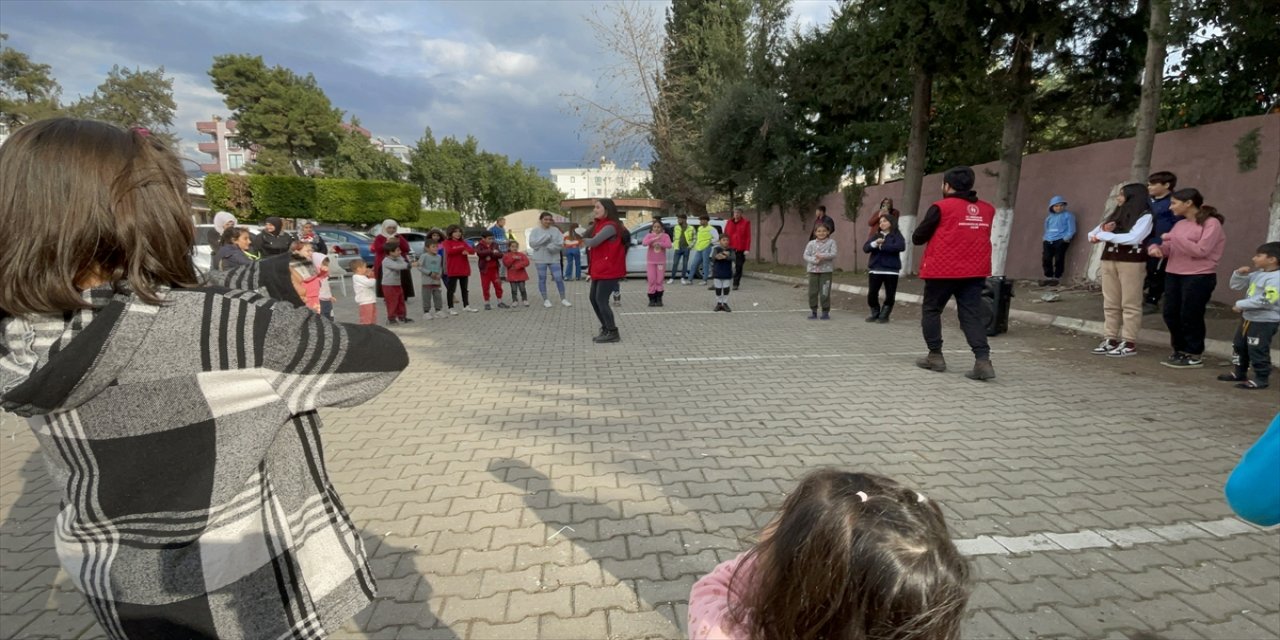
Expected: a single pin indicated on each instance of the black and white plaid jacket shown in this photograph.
(186, 441)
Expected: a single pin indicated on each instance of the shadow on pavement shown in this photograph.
(548, 504)
(34, 585)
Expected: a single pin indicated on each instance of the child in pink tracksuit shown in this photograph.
(657, 242)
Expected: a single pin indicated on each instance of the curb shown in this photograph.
(1218, 348)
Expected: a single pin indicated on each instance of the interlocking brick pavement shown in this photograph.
(520, 482)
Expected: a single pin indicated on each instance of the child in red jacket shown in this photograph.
(489, 254)
(457, 268)
(517, 264)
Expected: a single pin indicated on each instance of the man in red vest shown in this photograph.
(738, 228)
(957, 262)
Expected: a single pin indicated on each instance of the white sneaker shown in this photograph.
(563, 302)
(471, 310)
(1125, 350)
(685, 282)
(427, 316)
(670, 280)
(546, 303)
(526, 303)
(453, 312)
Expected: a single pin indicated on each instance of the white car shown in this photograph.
(638, 254)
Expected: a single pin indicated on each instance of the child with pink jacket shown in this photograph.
(657, 243)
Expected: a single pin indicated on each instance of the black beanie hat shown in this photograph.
(960, 178)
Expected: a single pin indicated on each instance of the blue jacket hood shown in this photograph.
(1056, 200)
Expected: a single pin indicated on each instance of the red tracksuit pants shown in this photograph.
(490, 278)
(393, 296)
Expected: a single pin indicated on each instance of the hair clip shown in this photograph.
(863, 496)
(919, 497)
(141, 131)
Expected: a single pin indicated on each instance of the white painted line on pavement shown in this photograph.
(672, 313)
(1103, 538)
(807, 356)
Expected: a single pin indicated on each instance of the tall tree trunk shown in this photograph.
(1012, 144)
(917, 146)
(760, 234)
(1273, 228)
(782, 222)
(1152, 77)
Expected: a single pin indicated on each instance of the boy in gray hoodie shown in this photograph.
(1260, 311)
(431, 264)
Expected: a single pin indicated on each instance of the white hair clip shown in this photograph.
(919, 497)
(863, 496)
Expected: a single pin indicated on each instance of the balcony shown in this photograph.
(211, 168)
(207, 127)
(208, 147)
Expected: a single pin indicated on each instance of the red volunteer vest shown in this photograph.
(961, 247)
(607, 261)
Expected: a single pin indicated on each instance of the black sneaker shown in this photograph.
(718, 307)
(1107, 346)
(726, 307)
(391, 321)
(406, 320)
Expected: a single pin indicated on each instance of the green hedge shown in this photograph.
(429, 219)
(366, 201)
(282, 196)
(326, 200)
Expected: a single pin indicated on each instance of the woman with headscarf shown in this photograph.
(389, 233)
(308, 235)
(222, 221)
(606, 244)
(273, 240)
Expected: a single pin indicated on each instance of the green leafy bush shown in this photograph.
(430, 219)
(282, 196)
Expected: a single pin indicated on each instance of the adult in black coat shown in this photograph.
(273, 240)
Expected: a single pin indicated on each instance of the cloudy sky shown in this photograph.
(494, 69)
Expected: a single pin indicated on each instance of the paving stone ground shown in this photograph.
(520, 482)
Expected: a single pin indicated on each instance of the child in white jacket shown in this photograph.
(365, 294)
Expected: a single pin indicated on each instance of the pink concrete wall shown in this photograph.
(1201, 157)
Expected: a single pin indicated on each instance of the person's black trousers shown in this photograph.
(1253, 344)
(1153, 286)
(1185, 299)
(890, 284)
(739, 259)
(600, 292)
(453, 284)
(968, 295)
(1054, 258)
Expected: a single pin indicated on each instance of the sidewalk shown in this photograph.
(1078, 309)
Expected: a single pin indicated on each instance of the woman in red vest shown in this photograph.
(606, 244)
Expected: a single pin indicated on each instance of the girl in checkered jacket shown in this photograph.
(179, 416)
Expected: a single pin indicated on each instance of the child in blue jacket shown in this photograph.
(1059, 229)
(883, 267)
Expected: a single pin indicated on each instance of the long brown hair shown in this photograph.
(84, 200)
(1135, 206)
(1203, 211)
(854, 556)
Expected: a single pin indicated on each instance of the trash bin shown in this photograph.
(997, 297)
